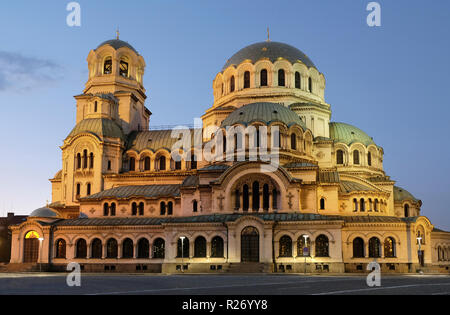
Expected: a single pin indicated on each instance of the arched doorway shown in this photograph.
(31, 247)
(250, 244)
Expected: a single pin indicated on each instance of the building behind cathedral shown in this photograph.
(131, 199)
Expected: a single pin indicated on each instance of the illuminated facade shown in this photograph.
(123, 200)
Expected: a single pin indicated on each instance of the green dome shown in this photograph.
(101, 127)
(265, 113)
(117, 44)
(401, 194)
(43, 213)
(348, 134)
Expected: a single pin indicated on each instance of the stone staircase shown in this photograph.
(249, 268)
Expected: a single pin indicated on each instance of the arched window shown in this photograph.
(81, 248)
(183, 251)
(88, 189)
(91, 160)
(113, 209)
(60, 249)
(274, 199)
(355, 205)
(293, 141)
(263, 77)
(141, 209)
(107, 66)
(255, 196)
(340, 157)
(322, 246)
(147, 164)
(178, 165)
(78, 161)
(358, 248)
(200, 247)
(162, 163)
(281, 78)
(123, 68)
(376, 205)
(105, 210)
(170, 208)
(356, 157)
(310, 85)
(266, 197)
(297, 80)
(162, 208)
(78, 189)
(193, 162)
(111, 248)
(374, 248)
(95, 106)
(109, 165)
(276, 139)
(195, 206)
(439, 253)
(285, 246)
(143, 248)
(217, 247)
(303, 244)
(159, 248)
(322, 203)
(96, 248)
(132, 164)
(406, 208)
(85, 159)
(232, 84)
(257, 139)
(246, 79)
(127, 248)
(245, 195)
(362, 205)
(133, 209)
(389, 247)
(369, 159)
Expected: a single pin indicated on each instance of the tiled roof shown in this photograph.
(159, 139)
(300, 165)
(147, 191)
(221, 218)
(348, 187)
(265, 113)
(215, 167)
(190, 181)
(329, 177)
(271, 51)
(348, 134)
(101, 127)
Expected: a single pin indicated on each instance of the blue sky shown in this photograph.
(390, 81)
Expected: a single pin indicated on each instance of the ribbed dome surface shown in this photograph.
(117, 44)
(401, 194)
(101, 127)
(271, 51)
(348, 134)
(265, 113)
(43, 213)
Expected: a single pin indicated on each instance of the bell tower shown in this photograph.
(115, 88)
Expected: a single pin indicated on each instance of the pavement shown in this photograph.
(267, 284)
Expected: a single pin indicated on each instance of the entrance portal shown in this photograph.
(250, 244)
(31, 247)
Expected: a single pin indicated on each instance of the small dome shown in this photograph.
(265, 113)
(117, 44)
(271, 51)
(101, 127)
(348, 134)
(43, 213)
(401, 194)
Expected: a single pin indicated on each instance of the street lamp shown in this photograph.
(40, 253)
(182, 252)
(306, 247)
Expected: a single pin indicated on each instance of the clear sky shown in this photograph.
(391, 81)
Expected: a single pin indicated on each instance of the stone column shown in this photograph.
(270, 201)
(261, 201)
(135, 250)
(208, 250)
(119, 250)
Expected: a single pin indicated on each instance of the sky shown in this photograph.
(390, 81)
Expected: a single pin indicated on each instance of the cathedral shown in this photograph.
(264, 182)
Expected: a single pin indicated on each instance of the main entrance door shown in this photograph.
(250, 245)
(31, 247)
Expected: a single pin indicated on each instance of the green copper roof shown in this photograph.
(348, 187)
(159, 139)
(117, 44)
(146, 191)
(401, 194)
(265, 113)
(348, 134)
(101, 127)
(43, 213)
